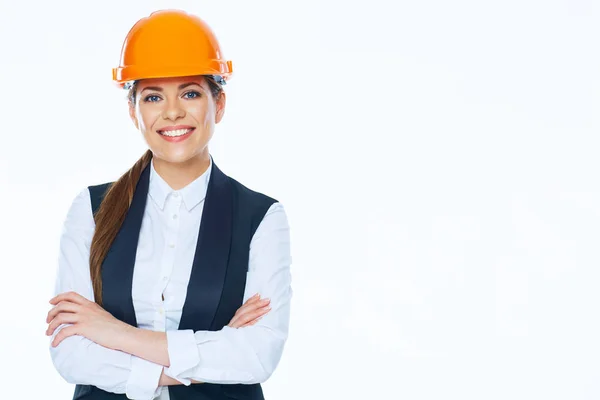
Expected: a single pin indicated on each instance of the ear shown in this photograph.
(132, 115)
(221, 102)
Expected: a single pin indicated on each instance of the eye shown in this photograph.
(151, 98)
(191, 94)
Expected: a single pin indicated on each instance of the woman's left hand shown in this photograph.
(88, 319)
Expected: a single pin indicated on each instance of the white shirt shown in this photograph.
(165, 252)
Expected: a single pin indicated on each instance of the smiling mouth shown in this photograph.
(175, 132)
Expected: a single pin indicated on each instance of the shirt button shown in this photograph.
(162, 312)
(175, 194)
(165, 278)
(174, 216)
(172, 245)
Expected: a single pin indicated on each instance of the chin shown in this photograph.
(173, 157)
(177, 153)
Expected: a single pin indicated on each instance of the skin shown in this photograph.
(177, 163)
(90, 320)
(159, 104)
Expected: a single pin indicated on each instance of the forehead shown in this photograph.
(167, 82)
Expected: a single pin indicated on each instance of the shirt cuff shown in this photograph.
(143, 379)
(183, 354)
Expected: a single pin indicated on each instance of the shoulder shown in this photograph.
(99, 190)
(251, 200)
(262, 209)
(79, 218)
(253, 196)
(83, 205)
(80, 201)
(97, 193)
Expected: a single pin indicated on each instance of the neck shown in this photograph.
(179, 175)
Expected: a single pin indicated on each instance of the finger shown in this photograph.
(248, 314)
(244, 319)
(62, 318)
(63, 334)
(253, 298)
(249, 308)
(69, 296)
(253, 321)
(237, 320)
(252, 301)
(63, 306)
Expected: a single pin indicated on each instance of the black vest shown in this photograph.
(230, 217)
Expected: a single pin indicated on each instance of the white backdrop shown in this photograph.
(438, 162)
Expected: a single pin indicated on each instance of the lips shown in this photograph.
(176, 133)
(176, 130)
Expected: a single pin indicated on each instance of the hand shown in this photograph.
(88, 319)
(250, 313)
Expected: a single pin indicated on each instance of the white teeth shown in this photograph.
(178, 132)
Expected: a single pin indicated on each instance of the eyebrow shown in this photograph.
(182, 86)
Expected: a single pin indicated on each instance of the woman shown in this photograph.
(174, 280)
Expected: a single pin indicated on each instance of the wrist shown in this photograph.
(127, 336)
(144, 343)
(166, 380)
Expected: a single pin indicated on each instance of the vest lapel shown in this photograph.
(210, 260)
(212, 255)
(117, 269)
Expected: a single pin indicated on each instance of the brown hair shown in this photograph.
(116, 203)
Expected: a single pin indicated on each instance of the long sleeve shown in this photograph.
(250, 354)
(77, 359)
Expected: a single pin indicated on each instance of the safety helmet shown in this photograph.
(170, 43)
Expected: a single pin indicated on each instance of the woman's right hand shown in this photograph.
(251, 312)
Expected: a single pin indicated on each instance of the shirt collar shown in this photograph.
(192, 194)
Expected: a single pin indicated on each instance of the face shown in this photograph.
(177, 117)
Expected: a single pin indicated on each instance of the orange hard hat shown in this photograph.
(170, 43)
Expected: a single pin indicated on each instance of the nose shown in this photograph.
(173, 110)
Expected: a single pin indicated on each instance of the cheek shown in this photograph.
(209, 119)
(203, 114)
(146, 119)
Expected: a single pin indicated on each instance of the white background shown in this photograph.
(437, 159)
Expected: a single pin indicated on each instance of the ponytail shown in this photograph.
(110, 217)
